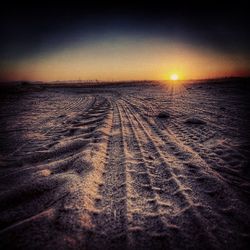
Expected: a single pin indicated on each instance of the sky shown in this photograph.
(139, 41)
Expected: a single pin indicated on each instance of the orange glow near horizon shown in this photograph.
(126, 59)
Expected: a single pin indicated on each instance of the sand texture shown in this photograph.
(125, 167)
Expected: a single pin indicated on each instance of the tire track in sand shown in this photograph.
(111, 222)
(146, 229)
(175, 199)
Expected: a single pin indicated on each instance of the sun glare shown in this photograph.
(174, 77)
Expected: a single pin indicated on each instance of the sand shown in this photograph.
(136, 166)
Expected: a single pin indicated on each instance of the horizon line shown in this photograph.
(124, 80)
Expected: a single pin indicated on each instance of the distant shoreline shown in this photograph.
(85, 83)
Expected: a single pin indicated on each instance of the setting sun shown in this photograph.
(174, 77)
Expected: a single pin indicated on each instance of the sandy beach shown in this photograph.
(132, 166)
